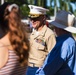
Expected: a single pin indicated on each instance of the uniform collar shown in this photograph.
(41, 32)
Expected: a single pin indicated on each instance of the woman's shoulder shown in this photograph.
(3, 55)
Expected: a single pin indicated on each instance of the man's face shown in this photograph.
(37, 22)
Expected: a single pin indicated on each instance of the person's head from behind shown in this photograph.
(7, 13)
(10, 22)
(37, 15)
(64, 23)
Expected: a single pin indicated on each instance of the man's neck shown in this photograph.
(40, 28)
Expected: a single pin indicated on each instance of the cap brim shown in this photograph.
(69, 29)
(32, 16)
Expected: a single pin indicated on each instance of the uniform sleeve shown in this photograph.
(51, 41)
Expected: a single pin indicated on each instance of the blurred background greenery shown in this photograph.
(54, 6)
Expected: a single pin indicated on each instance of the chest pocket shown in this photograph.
(41, 47)
(38, 42)
(41, 44)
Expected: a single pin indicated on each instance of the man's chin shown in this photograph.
(34, 27)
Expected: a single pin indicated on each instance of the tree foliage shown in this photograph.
(53, 8)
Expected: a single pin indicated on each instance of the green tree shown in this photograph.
(54, 7)
(35, 2)
(19, 2)
(74, 2)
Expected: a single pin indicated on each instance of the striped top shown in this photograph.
(12, 66)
